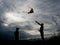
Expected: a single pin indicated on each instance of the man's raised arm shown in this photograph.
(38, 23)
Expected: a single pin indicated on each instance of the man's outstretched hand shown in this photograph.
(38, 23)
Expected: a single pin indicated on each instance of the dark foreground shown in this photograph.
(56, 38)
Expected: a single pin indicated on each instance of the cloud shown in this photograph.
(13, 14)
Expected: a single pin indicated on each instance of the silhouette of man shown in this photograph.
(41, 29)
(17, 34)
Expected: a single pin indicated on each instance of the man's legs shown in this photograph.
(42, 35)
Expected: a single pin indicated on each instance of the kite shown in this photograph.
(31, 11)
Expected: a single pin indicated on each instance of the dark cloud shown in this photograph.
(46, 11)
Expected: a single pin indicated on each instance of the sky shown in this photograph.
(13, 13)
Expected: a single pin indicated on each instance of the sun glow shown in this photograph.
(36, 32)
(32, 32)
(14, 17)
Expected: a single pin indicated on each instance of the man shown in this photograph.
(41, 29)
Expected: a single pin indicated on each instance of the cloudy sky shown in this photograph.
(13, 13)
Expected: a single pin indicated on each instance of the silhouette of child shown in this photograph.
(16, 34)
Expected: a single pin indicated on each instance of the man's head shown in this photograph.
(42, 24)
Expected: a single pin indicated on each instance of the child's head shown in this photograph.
(17, 28)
